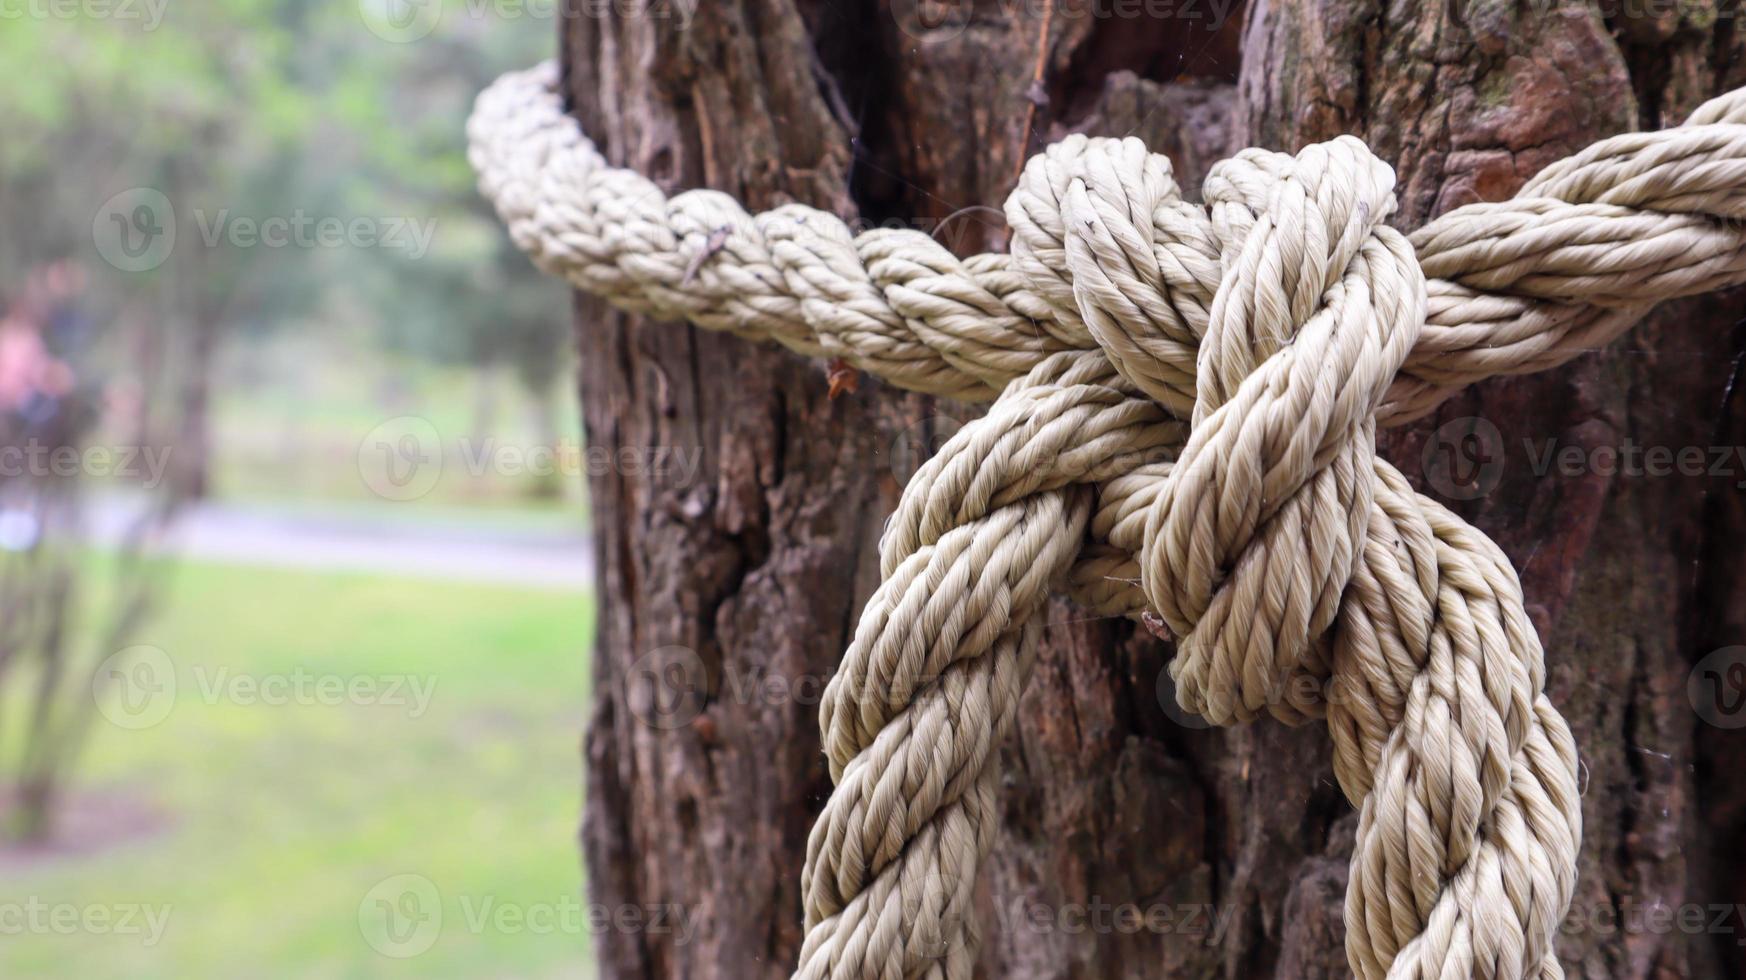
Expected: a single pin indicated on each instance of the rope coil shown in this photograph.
(1185, 427)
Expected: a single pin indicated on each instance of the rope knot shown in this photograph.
(1255, 533)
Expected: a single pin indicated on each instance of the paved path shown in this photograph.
(384, 539)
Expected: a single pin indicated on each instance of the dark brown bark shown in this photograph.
(728, 597)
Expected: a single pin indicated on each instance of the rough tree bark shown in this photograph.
(728, 594)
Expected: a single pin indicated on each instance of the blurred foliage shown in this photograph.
(255, 109)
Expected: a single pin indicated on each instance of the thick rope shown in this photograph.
(1185, 426)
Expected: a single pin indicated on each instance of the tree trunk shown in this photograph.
(731, 588)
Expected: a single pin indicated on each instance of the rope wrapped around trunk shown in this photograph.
(1185, 407)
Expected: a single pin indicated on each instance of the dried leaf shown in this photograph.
(1154, 624)
(844, 379)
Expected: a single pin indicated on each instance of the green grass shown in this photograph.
(276, 821)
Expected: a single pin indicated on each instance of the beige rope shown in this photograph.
(1187, 400)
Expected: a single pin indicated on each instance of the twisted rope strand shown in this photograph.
(1518, 286)
(1188, 399)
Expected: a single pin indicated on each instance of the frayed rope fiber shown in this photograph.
(1256, 342)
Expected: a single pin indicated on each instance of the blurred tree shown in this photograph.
(156, 152)
(53, 631)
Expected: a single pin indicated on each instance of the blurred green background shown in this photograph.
(295, 591)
